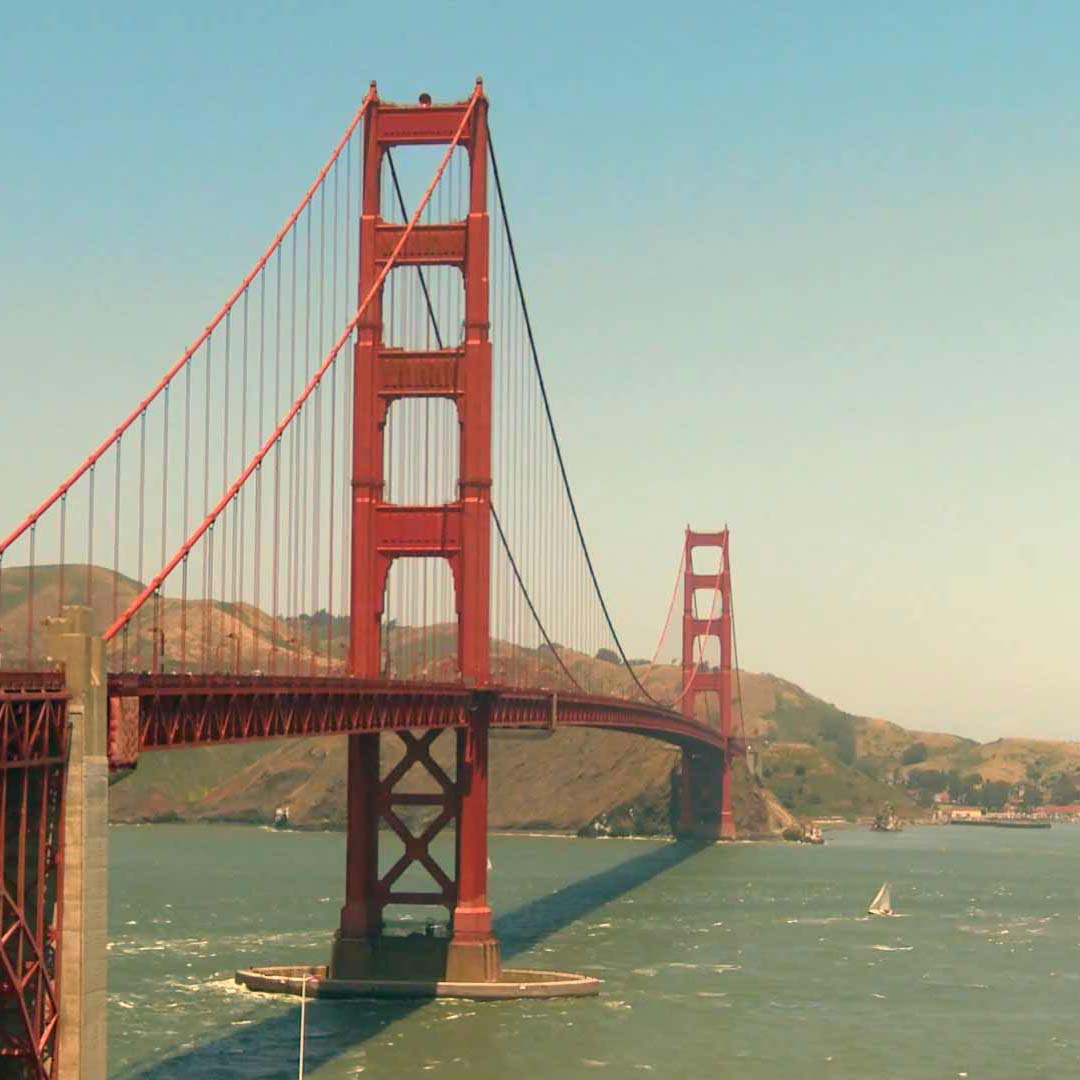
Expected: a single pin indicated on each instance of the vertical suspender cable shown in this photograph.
(551, 426)
(63, 554)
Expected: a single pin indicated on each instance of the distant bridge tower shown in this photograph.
(458, 532)
(705, 776)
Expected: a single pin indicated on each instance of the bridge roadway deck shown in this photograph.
(158, 712)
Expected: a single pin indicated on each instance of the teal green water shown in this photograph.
(753, 959)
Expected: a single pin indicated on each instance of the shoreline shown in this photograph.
(535, 834)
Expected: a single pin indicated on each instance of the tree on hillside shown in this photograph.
(926, 783)
(869, 766)
(915, 753)
(1063, 791)
(994, 794)
(964, 790)
(837, 730)
(931, 780)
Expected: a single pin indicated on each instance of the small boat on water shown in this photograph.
(882, 903)
(803, 834)
(886, 821)
(281, 817)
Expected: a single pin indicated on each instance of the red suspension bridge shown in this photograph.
(343, 510)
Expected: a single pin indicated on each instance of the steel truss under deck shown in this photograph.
(33, 758)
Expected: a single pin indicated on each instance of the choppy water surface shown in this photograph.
(749, 957)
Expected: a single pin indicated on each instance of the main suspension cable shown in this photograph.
(305, 393)
(551, 427)
(179, 365)
(735, 651)
(528, 600)
(419, 269)
(667, 620)
(494, 514)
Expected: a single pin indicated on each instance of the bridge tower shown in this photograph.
(458, 532)
(705, 776)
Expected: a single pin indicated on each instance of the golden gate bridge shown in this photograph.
(344, 509)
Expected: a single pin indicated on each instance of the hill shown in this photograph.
(807, 766)
(810, 758)
(1014, 760)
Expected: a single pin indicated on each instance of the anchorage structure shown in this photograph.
(458, 532)
(705, 789)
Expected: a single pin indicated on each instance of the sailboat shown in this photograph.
(882, 903)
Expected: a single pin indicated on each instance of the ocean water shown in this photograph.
(753, 960)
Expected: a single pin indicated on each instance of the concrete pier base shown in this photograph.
(701, 796)
(478, 960)
(513, 983)
(410, 957)
(84, 917)
(415, 956)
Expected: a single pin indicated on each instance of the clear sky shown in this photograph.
(808, 269)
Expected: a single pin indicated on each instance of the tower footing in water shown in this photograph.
(512, 983)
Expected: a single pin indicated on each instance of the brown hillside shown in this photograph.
(1013, 760)
(562, 781)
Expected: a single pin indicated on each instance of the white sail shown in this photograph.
(882, 903)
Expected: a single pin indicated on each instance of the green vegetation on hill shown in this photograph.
(820, 760)
(171, 784)
(812, 782)
(804, 719)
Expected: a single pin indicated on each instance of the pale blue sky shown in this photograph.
(804, 268)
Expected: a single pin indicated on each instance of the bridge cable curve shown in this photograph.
(166, 380)
(667, 619)
(207, 524)
(554, 432)
(494, 513)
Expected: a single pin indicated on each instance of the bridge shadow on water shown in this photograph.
(268, 1048)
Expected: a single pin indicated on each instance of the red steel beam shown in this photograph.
(420, 373)
(426, 124)
(158, 712)
(33, 758)
(425, 245)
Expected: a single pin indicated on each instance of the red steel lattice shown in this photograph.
(706, 776)
(417, 846)
(33, 754)
(158, 712)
